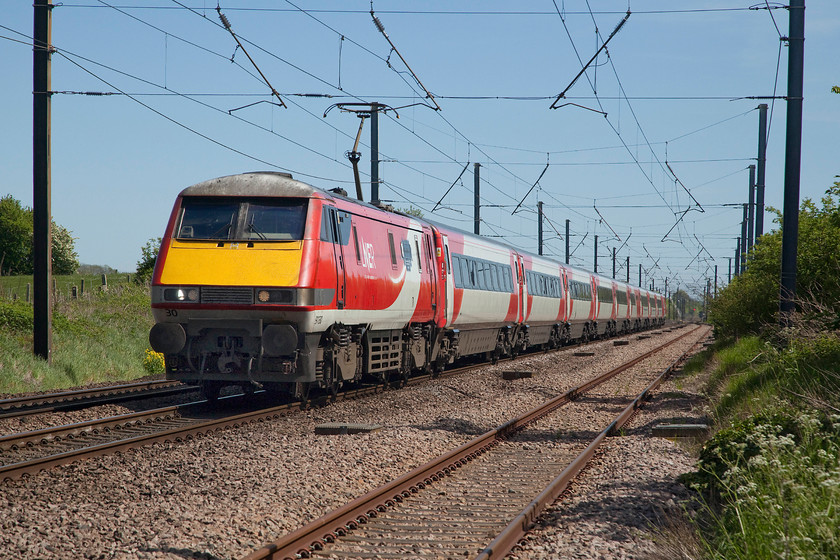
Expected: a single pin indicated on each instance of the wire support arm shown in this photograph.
(226, 23)
(451, 186)
(668, 165)
(591, 60)
(515, 210)
(381, 29)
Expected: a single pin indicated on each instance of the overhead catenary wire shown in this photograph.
(500, 13)
(192, 130)
(493, 198)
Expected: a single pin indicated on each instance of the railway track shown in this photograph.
(480, 499)
(30, 452)
(83, 398)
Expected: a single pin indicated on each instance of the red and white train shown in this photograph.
(265, 280)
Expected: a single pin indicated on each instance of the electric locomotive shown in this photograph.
(262, 280)
(265, 281)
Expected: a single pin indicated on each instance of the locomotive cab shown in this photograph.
(230, 289)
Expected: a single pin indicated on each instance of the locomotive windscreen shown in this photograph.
(259, 219)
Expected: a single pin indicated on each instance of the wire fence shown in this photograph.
(64, 288)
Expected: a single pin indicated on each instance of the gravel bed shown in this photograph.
(222, 495)
(628, 496)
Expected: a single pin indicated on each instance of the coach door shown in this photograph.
(521, 288)
(340, 225)
(450, 284)
(429, 263)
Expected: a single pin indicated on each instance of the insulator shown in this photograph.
(225, 21)
(378, 24)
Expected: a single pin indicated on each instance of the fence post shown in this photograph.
(104, 283)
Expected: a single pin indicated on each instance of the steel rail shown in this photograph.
(512, 535)
(33, 466)
(313, 536)
(81, 398)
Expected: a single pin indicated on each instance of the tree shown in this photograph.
(64, 257)
(146, 264)
(411, 211)
(751, 302)
(15, 237)
(16, 241)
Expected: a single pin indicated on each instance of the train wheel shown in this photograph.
(330, 382)
(302, 390)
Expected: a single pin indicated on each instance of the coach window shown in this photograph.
(405, 252)
(356, 245)
(419, 257)
(326, 228)
(456, 271)
(393, 251)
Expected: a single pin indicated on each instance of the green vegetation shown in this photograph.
(102, 336)
(769, 481)
(16, 241)
(750, 303)
(148, 257)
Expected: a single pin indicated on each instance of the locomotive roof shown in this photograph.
(261, 183)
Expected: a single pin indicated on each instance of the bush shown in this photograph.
(153, 362)
(750, 303)
(16, 241)
(773, 485)
(16, 316)
(148, 257)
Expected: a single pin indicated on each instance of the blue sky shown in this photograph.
(672, 88)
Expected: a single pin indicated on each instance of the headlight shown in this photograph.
(188, 295)
(294, 296)
(284, 296)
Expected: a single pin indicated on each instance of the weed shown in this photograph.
(101, 337)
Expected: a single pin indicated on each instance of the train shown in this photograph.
(264, 281)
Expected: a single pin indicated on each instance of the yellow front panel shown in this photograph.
(235, 264)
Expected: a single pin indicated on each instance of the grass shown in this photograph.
(101, 337)
(768, 483)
